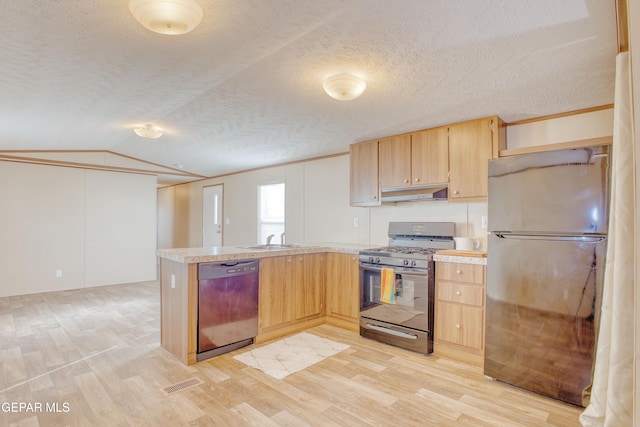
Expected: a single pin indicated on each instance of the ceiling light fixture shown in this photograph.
(344, 87)
(148, 131)
(167, 16)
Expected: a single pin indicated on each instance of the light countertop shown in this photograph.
(463, 257)
(228, 253)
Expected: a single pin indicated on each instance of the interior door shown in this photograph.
(212, 216)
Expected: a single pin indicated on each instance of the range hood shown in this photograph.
(389, 195)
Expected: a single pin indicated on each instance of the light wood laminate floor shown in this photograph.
(91, 357)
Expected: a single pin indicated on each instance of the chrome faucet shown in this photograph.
(282, 239)
(271, 236)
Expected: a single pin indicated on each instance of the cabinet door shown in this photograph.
(310, 296)
(364, 174)
(470, 148)
(277, 291)
(430, 157)
(343, 291)
(460, 324)
(272, 287)
(446, 321)
(395, 162)
(471, 321)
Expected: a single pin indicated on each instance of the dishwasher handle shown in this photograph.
(216, 270)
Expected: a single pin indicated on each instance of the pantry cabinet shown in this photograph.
(364, 174)
(343, 290)
(460, 311)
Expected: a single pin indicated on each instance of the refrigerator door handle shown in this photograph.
(585, 239)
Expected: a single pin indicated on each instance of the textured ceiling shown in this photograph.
(244, 89)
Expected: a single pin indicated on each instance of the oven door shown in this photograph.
(409, 322)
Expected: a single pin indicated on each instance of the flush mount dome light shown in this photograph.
(344, 87)
(148, 131)
(167, 16)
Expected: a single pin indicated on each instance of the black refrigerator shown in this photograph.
(548, 215)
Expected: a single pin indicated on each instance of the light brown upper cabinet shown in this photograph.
(471, 145)
(395, 161)
(414, 160)
(364, 174)
(430, 156)
(455, 156)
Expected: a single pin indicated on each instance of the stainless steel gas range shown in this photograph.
(397, 285)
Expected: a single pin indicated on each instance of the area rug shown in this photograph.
(289, 355)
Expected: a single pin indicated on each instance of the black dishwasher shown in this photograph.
(227, 306)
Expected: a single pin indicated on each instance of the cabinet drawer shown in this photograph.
(459, 293)
(467, 273)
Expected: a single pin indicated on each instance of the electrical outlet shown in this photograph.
(173, 281)
(485, 222)
(356, 221)
(58, 273)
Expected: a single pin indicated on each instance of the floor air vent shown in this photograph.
(182, 385)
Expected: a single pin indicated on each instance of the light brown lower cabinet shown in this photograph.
(277, 305)
(291, 291)
(460, 311)
(343, 290)
(310, 296)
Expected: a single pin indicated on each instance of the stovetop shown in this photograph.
(399, 251)
(411, 244)
(394, 256)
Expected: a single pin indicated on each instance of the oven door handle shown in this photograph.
(392, 331)
(400, 270)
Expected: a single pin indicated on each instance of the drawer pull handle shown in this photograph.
(458, 293)
(457, 326)
(458, 272)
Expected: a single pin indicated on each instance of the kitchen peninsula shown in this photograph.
(301, 286)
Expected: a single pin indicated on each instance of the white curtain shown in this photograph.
(612, 392)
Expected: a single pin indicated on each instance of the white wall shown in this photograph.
(317, 208)
(95, 227)
(42, 228)
(120, 228)
(327, 214)
(317, 196)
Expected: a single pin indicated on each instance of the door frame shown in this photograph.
(220, 213)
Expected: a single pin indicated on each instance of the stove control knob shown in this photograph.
(371, 259)
(378, 260)
(413, 263)
(405, 262)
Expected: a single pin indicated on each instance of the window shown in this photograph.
(270, 212)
